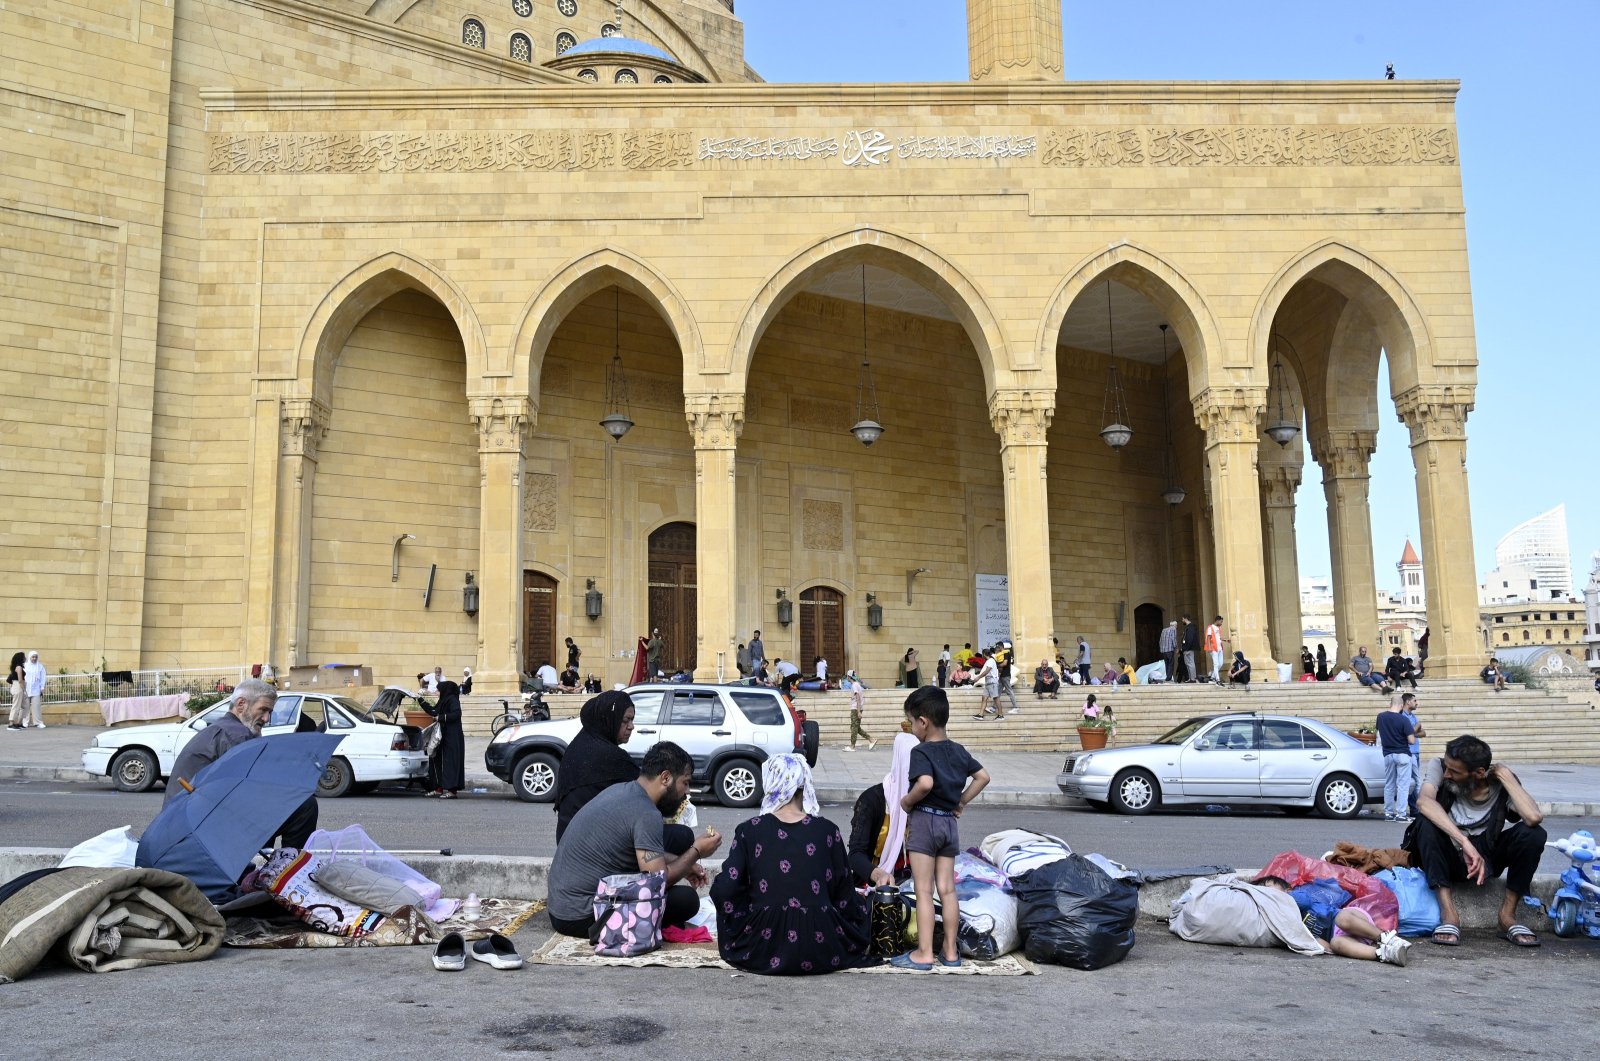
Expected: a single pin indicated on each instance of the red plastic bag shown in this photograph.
(1372, 896)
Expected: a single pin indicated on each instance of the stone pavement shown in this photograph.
(1022, 779)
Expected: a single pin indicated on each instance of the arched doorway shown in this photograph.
(538, 620)
(822, 628)
(672, 594)
(1147, 620)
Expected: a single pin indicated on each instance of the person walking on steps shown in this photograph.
(858, 704)
(1191, 649)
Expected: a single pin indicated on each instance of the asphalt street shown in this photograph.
(58, 814)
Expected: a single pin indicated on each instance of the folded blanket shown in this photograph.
(1368, 859)
(106, 920)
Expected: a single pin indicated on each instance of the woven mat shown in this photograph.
(565, 950)
(408, 928)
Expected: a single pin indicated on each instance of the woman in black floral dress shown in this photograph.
(786, 902)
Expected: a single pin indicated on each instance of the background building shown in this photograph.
(1533, 562)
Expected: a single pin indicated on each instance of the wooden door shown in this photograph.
(1147, 621)
(822, 629)
(672, 594)
(538, 621)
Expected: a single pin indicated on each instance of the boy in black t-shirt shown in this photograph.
(940, 769)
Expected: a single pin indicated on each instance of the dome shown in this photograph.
(625, 45)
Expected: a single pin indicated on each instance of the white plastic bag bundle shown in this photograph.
(112, 849)
(1016, 851)
(353, 844)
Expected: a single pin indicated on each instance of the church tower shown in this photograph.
(1014, 40)
(1412, 594)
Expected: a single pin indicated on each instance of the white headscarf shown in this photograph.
(895, 785)
(784, 775)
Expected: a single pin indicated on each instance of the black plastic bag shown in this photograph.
(1076, 914)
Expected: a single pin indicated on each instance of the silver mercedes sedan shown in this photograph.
(1238, 759)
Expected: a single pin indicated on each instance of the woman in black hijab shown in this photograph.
(1322, 664)
(449, 766)
(595, 760)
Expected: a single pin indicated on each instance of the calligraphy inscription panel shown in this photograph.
(474, 152)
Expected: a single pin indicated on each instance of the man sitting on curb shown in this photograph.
(1477, 822)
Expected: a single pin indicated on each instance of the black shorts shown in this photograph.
(932, 834)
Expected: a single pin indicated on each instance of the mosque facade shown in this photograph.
(317, 307)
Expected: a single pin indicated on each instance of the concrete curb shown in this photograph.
(523, 877)
(1021, 798)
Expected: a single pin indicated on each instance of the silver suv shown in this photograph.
(728, 730)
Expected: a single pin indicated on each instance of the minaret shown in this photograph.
(1412, 593)
(1591, 615)
(1014, 40)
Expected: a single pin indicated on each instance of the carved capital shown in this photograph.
(1021, 417)
(715, 420)
(303, 426)
(1435, 413)
(1230, 414)
(1278, 484)
(1344, 454)
(503, 422)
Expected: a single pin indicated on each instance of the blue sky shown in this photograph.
(1529, 167)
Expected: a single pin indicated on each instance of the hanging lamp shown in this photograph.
(1281, 430)
(1174, 493)
(1117, 433)
(616, 421)
(867, 429)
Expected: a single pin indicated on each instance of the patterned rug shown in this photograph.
(407, 928)
(564, 950)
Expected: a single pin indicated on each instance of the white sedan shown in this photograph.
(1234, 759)
(136, 757)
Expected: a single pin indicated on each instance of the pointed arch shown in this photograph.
(1159, 281)
(583, 277)
(875, 246)
(359, 292)
(1360, 278)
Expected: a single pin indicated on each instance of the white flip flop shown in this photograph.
(497, 952)
(450, 956)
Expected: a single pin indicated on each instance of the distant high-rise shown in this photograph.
(1533, 561)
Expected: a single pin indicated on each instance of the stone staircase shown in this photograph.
(1519, 724)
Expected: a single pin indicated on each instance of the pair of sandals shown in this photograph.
(495, 951)
(1448, 935)
(905, 961)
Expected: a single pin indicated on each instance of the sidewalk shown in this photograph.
(1021, 779)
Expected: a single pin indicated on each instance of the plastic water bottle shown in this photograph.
(472, 909)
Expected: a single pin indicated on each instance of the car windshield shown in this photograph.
(1183, 731)
(354, 709)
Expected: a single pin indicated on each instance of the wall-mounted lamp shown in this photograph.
(910, 577)
(469, 596)
(593, 602)
(874, 612)
(394, 557)
(785, 609)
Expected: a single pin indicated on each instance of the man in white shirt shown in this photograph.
(430, 682)
(822, 671)
(988, 679)
(547, 674)
(788, 674)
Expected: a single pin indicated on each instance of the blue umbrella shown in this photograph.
(238, 804)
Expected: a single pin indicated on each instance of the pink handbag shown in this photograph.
(627, 914)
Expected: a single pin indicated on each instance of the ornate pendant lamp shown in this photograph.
(1281, 430)
(616, 421)
(1174, 493)
(1117, 433)
(867, 429)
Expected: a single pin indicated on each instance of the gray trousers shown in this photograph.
(1188, 666)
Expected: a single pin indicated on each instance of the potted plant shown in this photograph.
(1365, 735)
(1095, 730)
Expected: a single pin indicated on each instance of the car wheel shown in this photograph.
(535, 777)
(738, 783)
(135, 770)
(1564, 918)
(1340, 796)
(1135, 792)
(337, 780)
(810, 740)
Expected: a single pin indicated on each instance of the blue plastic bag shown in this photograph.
(1319, 919)
(1325, 891)
(1419, 904)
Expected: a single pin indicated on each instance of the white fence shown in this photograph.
(77, 688)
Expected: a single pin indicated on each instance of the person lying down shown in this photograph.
(1264, 912)
(1349, 934)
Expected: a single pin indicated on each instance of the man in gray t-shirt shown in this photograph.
(621, 831)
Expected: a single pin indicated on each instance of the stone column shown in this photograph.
(1437, 418)
(1022, 419)
(715, 422)
(503, 424)
(303, 426)
(1344, 456)
(1231, 419)
(1279, 481)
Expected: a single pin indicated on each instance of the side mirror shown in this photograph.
(1202, 744)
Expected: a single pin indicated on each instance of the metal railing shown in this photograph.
(79, 688)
